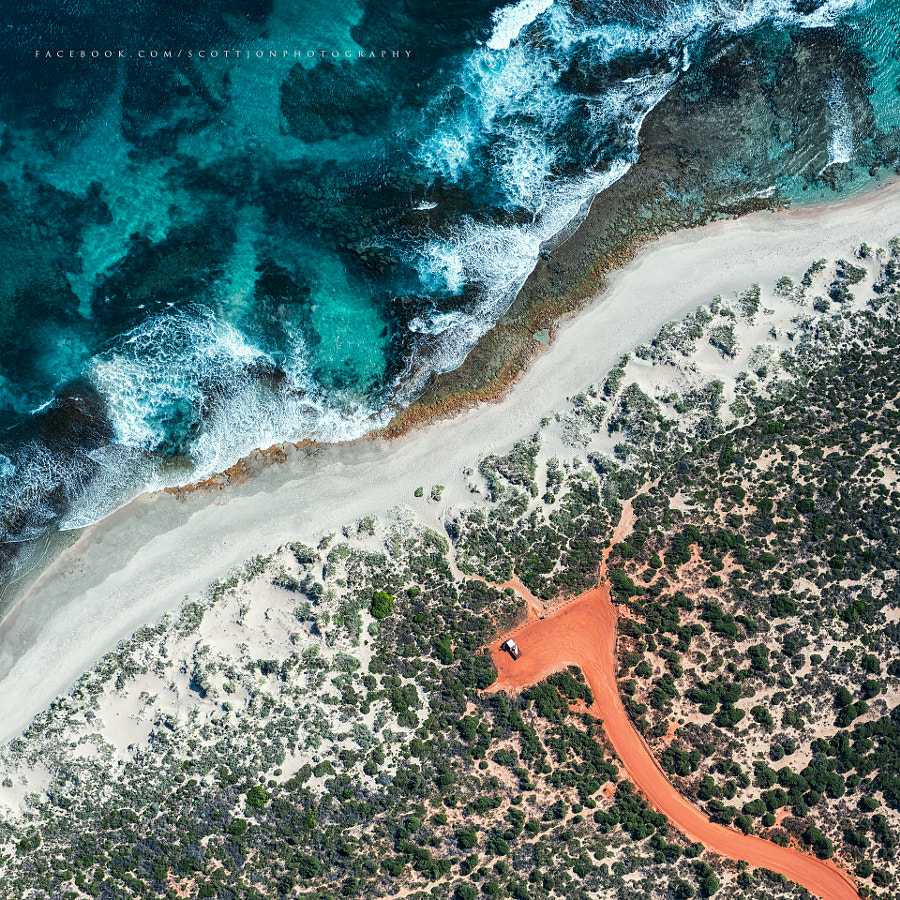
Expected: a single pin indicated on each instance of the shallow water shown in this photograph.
(201, 256)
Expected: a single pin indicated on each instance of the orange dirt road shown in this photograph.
(583, 633)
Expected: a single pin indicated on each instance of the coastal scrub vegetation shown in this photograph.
(317, 725)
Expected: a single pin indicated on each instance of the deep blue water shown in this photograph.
(201, 254)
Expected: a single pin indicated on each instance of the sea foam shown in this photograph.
(510, 20)
(840, 145)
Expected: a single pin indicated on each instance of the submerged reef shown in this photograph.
(221, 254)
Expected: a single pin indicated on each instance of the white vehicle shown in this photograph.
(510, 645)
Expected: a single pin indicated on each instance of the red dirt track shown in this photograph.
(583, 633)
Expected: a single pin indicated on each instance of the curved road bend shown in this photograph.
(583, 633)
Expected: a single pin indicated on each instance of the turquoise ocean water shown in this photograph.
(252, 222)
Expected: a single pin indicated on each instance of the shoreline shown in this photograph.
(140, 562)
(439, 401)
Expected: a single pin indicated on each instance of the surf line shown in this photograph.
(583, 633)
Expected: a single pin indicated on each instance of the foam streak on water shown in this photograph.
(249, 295)
(840, 147)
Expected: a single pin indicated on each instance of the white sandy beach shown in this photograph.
(142, 561)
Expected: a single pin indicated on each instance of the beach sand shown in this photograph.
(142, 561)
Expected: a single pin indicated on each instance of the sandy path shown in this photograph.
(583, 633)
(140, 562)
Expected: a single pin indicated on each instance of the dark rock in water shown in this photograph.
(281, 308)
(37, 308)
(805, 7)
(276, 287)
(76, 419)
(223, 180)
(64, 216)
(65, 102)
(332, 100)
(704, 151)
(32, 284)
(161, 102)
(181, 268)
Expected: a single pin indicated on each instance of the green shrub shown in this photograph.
(257, 797)
(382, 605)
(864, 869)
(622, 584)
(237, 827)
(782, 605)
(643, 670)
(469, 864)
(821, 845)
(681, 890)
(728, 716)
(763, 716)
(307, 866)
(498, 846)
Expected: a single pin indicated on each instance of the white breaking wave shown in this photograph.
(500, 259)
(499, 90)
(187, 375)
(438, 323)
(209, 372)
(746, 16)
(840, 145)
(199, 378)
(196, 373)
(629, 103)
(155, 375)
(685, 21)
(30, 479)
(509, 21)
